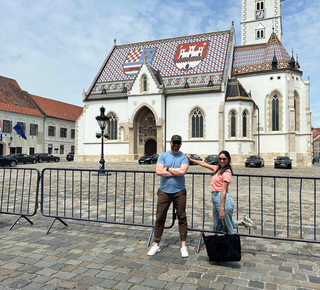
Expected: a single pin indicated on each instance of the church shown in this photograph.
(249, 99)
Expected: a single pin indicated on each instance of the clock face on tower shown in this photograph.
(259, 14)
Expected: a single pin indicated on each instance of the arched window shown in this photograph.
(296, 111)
(144, 83)
(197, 123)
(244, 124)
(112, 126)
(233, 123)
(258, 34)
(275, 113)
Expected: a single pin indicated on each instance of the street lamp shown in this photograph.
(102, 120)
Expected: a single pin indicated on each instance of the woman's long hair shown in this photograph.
(227, 166)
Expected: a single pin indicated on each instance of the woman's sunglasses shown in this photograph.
(224, 159)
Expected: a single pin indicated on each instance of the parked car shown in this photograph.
(70, 156)
(5, 160)
(23, 158)
(46, 157)
(148, 159)
(211, 159)
(315, 159)
(195, 157)
(283, 162)
(255, 161)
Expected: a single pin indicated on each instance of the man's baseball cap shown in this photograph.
(176, 138)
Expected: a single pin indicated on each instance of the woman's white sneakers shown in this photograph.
(248, 223)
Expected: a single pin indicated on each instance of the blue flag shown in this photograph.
(19, 131)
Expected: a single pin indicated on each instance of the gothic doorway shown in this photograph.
(145, 132)
(150, 147)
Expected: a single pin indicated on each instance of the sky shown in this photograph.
(55, 48)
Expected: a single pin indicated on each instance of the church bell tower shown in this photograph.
(260, 18)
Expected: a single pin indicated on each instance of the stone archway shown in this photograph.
(145, 132)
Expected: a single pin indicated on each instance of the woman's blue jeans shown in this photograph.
(227, 225)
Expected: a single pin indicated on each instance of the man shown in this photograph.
(171, 166)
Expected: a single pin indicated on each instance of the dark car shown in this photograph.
(148, 159)
(283, 162)
(70, 156)
(195, 157)
(211, 159)
(23, 158)
(5, 160)
(46, 157)
(315, 159)
(254, 161)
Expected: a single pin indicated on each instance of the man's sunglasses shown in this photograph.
(224, 159)
(176, 142)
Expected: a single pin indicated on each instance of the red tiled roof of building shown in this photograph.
(57, 109)
(13, 99)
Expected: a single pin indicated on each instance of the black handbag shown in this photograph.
(223, 247)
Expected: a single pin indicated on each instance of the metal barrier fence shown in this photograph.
(284, 207)
(19, 192)
(117, 197)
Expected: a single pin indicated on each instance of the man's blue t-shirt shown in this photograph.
(172, 184)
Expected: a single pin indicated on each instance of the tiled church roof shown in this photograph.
(196, 59)
(235, 91)
(13, 99)
(258, 57)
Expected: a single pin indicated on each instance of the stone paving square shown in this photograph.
(89, 255)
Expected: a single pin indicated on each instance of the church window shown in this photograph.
(244, 124)
(260, 5)
(259, 33)
(112, 126)
(233, 123)
(296, 102)
(275, 113)
(197, 123)
(145, 83)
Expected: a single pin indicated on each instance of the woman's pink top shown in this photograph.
(217, 179)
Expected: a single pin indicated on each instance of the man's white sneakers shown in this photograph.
(153, 250)
(184, 252)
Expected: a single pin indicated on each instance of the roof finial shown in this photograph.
(115, 41)
(232, 23)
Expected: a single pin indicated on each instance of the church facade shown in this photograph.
(248, 99)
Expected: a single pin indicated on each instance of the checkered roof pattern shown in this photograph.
(163, 60)
(260, 56)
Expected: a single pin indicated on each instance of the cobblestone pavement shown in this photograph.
(88, 255)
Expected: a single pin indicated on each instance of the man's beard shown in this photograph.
(175, 147)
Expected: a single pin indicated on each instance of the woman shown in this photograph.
(223, 203)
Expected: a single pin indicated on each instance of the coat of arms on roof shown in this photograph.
(189, 55)
(135, 59)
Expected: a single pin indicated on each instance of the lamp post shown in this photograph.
(102, 120)
(256, 107)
